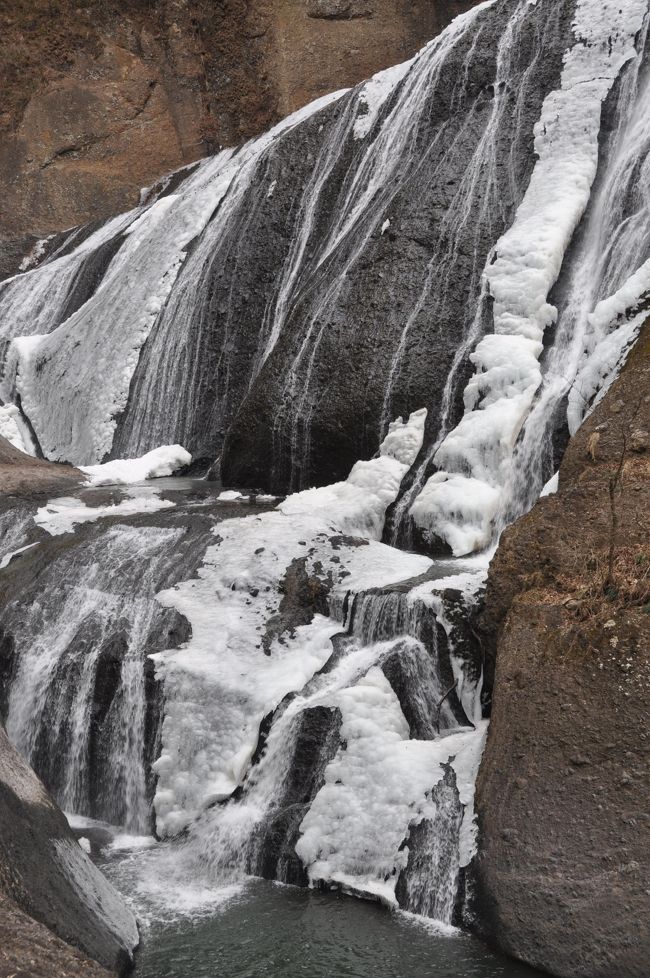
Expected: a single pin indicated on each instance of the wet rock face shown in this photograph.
(415, 891)
(299, 423)
(44, 872)
(563, 791)
(101, 99)
(316, 744)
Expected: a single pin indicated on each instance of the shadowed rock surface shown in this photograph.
(563, 792)
(44, 871)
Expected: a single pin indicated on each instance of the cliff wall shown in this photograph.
(564, 788)
(102, 98)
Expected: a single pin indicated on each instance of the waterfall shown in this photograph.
(612, 244)
(307, 746)
(473, 496)
(462, 239)
(82, 706)
(302, 668)
(228, 299)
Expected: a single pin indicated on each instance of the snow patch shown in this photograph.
(551, 486)
(156, 464)
(6, 560)
(62, 515)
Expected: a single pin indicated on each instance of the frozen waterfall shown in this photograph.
(460, 244)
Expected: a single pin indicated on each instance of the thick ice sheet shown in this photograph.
(62, 515)
(375, 788)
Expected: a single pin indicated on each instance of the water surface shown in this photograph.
(272, 931)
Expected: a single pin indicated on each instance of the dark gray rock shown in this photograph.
(316, 742)
(46, 873)
(368, 322)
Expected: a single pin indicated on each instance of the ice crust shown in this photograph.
(614, 326)
(160, 462)
(221, 684)
(62, 515)
(377, 787)
(13, 429)
(461, 504)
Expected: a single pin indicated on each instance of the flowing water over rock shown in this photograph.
(360, 749)
(279, 305)
(281, 693)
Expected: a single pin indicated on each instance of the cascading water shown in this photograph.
(322, 718)
(81, 708)
(492, 465)
(261, 744)
(613, 242)
(249, 294)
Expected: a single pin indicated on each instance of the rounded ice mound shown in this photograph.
(156, 464)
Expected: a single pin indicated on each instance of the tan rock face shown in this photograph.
(564, 788)
(102, 98)
(21, 474)
(25, 942)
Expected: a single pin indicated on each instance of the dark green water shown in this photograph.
(271, 931)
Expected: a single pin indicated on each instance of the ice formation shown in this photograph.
(461, 502)
(220, 686)
(160, 462)
(62, 515)
(12, 428)
(371, 661)
(375, 789)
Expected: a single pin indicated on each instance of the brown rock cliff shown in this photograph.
(564, 788)
(102, 98)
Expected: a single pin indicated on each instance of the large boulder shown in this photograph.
(563, 793)
(29, 948)
(45, 874)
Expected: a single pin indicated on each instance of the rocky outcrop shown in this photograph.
(29, 948)
(45, 875)
(100, 100)
(564, 788)
(22, 474)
